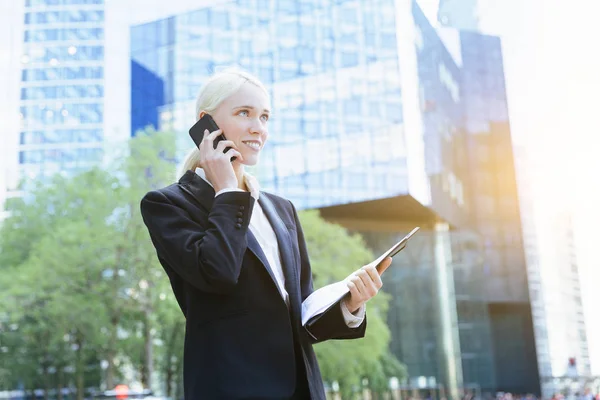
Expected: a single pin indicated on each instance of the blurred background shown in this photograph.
(474, 119)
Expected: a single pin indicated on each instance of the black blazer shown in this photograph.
(240, 335)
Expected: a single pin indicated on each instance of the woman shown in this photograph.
(238, 263)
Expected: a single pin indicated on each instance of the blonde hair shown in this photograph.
(215, 90)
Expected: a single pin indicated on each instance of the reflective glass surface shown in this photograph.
(62, 88)
(337, 130)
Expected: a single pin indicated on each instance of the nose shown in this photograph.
(257, 127)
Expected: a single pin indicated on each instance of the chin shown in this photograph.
(250, 161)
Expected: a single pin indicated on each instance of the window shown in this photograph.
(306, 54)
(349, 39)
(288, 54)
(349, 59)
(351, 106)
(388, 40)
(200, 17)
(370, 39)
(308, 33)
(220, 19)
(327, 58)
(348, 15)
(374, 109)
(283, 6)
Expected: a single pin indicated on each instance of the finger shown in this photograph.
(372, 271)
(353, 289)
(385, 264)
(354, 298)
(234, 153)
(360, 286)
(211, 136)
(225, 143)
(370, 288)
(204, 140)
(207, 142)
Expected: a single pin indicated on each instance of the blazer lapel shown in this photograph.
(204, 193)
(285, 249)
(254, 247)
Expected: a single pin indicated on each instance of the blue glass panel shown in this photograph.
(266, 74)
(263, 5)
(200, 17)
(370, 39)
(349, 39)
(374, 109)
(286, 74)
(306, 54)
(288, 54)
(291, 126)
(220, 19)
(245, 21)
(289, 31)
(351, 106)
(312, 128)
(348, 15)
(284, 6)
(388, 40)
(349, 59)
(308, 33)
(327, 57)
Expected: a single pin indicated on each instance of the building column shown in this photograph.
(447, 319)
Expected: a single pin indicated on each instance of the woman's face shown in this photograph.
(243, 117)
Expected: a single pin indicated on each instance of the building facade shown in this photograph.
(555, 282)
(554, 270)
(383, 123)
(62, 91)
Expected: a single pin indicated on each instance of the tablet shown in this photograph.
(397, 248)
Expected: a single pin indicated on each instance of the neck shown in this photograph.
(238, 168)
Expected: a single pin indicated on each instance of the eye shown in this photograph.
(264, 117)
(243, 113)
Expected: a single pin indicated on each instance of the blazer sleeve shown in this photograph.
(208, 257)
(331, 324)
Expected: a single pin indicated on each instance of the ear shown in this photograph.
(202, 114)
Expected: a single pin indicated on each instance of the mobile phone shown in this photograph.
(207, 122)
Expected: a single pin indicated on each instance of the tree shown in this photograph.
(148, 164)
(83, 237)
(52, 292)
(335, 254)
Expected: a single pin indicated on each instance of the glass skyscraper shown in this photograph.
(62, 91)
(383, 123)
(557, 298)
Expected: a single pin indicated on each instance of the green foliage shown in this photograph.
(79, 271)
(334, 255)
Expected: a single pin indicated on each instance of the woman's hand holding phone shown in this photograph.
(216, 164)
